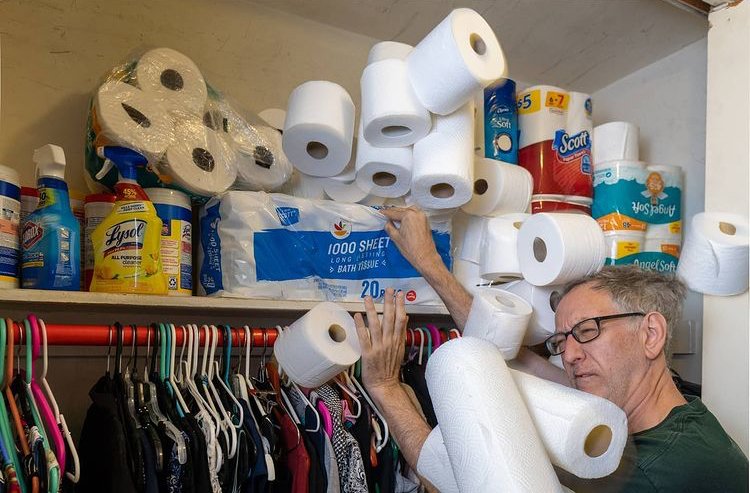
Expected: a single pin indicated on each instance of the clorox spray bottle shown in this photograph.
(127, 242)
(51, 236)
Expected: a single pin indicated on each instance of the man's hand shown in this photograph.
(413, 237)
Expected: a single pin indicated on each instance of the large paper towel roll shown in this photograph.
(443, 171)
(499, 317)
(615, 140)
(455, 60)
(386, 50)
(383, 171)
(434, 464)
(392, 116)
(174, 78)
(542, 299)
(542, 111)
(126, 116)
(554, 248)
(200, 160)
(714, 257)
(498, 258)
(318, 346)
(319, 128)
(499, 188)
(489, 435)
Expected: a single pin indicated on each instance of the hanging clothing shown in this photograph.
(413, 375)
(295, 459)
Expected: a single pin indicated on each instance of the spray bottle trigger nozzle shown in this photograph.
(105, 168)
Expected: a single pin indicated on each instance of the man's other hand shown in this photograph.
(413, 236)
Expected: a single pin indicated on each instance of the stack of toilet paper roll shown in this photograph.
(466, 245)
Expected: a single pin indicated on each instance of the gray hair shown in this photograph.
(638, 290)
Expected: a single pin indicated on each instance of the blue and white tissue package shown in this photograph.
(259, 245)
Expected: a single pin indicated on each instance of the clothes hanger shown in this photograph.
(227, 417)
(10, 458)
(217, 417)
(456, 331)
(421, 344)
(182, 408)
(382, 443)
(223, 384)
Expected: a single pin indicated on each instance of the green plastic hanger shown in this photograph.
(5, 430)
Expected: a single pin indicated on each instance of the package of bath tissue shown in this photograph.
(392, 116)
(174, 78)
(499, 188)
(542, 111)
(663, 194)
(543, 300)
(619, 203)
(259, 245)
(434, 464)
(554, 248)
(490, 438)
(460, 56)
(623, 246)
(319, 128)
(383, 171)
(386, 50)
(498, 258)
(714, 257)
(499, 317)
(318, 346)
(615, 141)
(497, 118)
(670, 246)
(443, 170)
(274, 117)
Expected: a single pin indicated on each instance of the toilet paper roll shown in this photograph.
(498, 258)
(200, 160)
(443, 170)
(342, 191)
(386, 50)
(554, 248)
(466, 237)
(557, 361)
(579, 114)
(542, 111)
(434, 464)
(319, 128)
(348, 175)
(499, 317)
(615, 141)
(174, 78)
(714, 257)
(392, 116)
(542, 299)
(126, 116)
(274, 117)
(490, 438)
(467, 274)
(318, 346)
(305, 186)
(621, 244)
(670, 246)
(263, 164)
(499, 188)
(383, 171)
(456, 59)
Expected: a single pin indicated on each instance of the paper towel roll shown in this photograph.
(274, 117)
(489, 435)
(318, 346)
(319, 128)
(554, 248)
(542, 111)
(499, 317)
(714, 257)
(499, 188)
(383, 171)
(579, 113)
(386, 50)
(200, 160)
(305, 186)
(621, 244)
(542, 299)
(614, 141)
(434, 464)
(392, 116)
(456, 59)
(174, 78)
(557, 361)
(126, 116)
(343, 192)
(498, 258)
(443, 170)
(670, 246)
(467, 274)
(466, 237)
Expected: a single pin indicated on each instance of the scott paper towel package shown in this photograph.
(260, 245)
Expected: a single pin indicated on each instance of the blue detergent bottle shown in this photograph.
(51, 236)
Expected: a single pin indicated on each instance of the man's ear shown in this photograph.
(655, 331)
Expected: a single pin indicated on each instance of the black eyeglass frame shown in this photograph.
(574, 329)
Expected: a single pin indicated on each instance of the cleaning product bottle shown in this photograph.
(51, 237)
(127, 242)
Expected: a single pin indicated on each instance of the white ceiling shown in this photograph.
(577, 44)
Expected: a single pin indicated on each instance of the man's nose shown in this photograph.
(573, 350)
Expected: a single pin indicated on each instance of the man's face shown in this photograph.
(610, 366)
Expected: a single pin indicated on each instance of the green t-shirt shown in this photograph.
(687, 452)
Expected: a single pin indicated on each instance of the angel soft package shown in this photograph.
(260, 245)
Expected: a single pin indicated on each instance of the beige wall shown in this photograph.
(54, 54)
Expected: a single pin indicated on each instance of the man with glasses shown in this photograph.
(613, 331)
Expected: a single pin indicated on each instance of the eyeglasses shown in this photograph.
(583, 332)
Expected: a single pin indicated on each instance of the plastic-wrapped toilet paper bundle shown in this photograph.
(617, 184)
(318, 346)
(392, 116)
(386, 50)
(554, 248)
(319, 128)
(498, 258)
(383, 171)
(434, 464)
(542, 299)
(714, 257)
(615, 141)
(174, 78)
(499, 188)
(443, 170)
(622, 245)
(497, 119)
(489, 435)
(460, 56)
(670, 246)
(499, 317)
(274, 117)
(542, 111)
(664, 186)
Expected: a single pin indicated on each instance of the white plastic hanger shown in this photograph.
(227, 417)
(382, 443)
(176, 389)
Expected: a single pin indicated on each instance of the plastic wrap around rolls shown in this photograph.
(383, 171)
(615, 141)
(488, 432)
(499, 317)
(554, 248)
(174, 78)
(391, 114)
(460, 56)
(434, 464)
(386, 50)
(542, 111)
(498, 257)
(318, 346)
(664, 185)
(622, 244)
(499, 188)
(443, 170)
(714, 257)
(616, 185)
(542, 299)
(319, 128)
